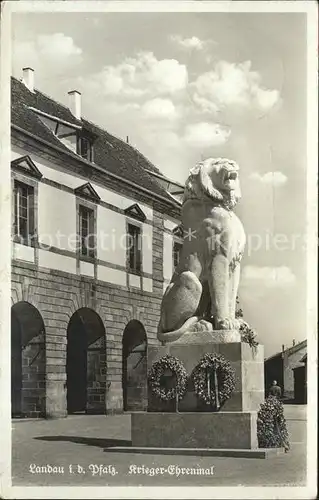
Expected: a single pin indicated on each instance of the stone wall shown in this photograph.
(96, 376)
(27, 361)
(291, 360)
(136, 383)
(33, 379)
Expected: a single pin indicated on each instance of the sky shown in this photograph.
(187, 86)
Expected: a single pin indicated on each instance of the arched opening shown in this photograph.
(134, 369)
(27, 361)
(86, 363)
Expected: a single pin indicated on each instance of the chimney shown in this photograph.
(75, 103)
(293, 343)
(283, 348)
(28, 78)
(127, 140)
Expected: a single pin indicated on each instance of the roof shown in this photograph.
(110, 153)
(295, 348)
(290, 350)
(304, 359)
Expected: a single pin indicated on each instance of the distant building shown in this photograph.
(300, 381)
(289, 368)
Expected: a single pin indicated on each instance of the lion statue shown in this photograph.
(205, 282)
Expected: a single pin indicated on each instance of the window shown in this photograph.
(134, 248)
(87, 236)
(176, 253)
(84, 148)
(23, 213)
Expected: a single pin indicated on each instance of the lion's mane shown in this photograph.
(199, 184)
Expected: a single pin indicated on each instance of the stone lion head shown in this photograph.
(214, 178)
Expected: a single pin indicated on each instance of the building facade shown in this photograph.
(95, 230)
(289, 369)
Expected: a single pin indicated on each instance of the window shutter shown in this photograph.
(132, 249)
(177, 247)
(92, 237)
(79, 231)
(31, 217)
(78, 143)
(15, 210)
(134, 241)
(138, 250)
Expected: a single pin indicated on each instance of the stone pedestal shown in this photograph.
(195, 425)
(222, 430)
(247, 362)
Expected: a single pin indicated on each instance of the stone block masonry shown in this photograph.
(33, 379)
(96, 376)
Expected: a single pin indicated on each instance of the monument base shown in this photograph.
(222, 430)
(247, 362)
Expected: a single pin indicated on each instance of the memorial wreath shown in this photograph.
(271, 425)
(157, 372)
(214, 379)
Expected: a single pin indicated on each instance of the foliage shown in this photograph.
(156, 373)
(239, 312)
(225, 374)
(247, 334)
(271, 425)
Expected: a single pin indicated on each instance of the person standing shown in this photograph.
(275, 390)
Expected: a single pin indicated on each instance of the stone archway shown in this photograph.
(27, 361)
(134, 367)
(86, 363)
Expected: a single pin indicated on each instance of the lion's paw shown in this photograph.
(225, 324)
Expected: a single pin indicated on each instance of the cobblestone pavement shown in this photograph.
(83, 440)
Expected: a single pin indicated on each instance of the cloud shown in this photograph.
(274, 179)
(204, 134)
(148, 98)
(268, 277)
(265, 99)
(56, 48)
(159, 108)
(116, 108)
(158, 136)
(139, 76)
(205, 105)
(57, 45)
(188, 43)
(230, 84)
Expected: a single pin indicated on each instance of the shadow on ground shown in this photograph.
(99, 442)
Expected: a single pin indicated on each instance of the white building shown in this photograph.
(81, 295)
